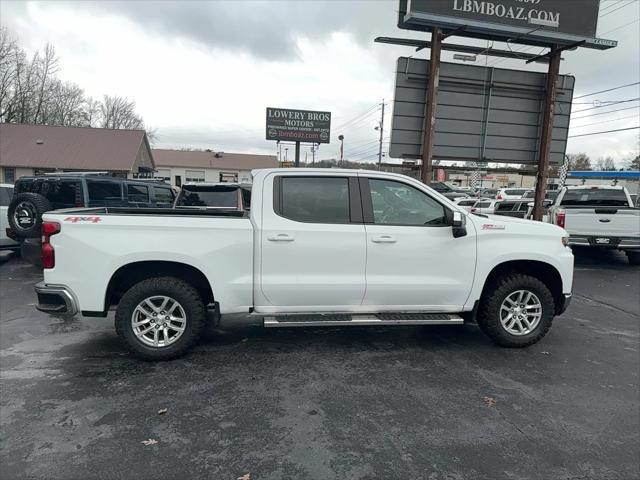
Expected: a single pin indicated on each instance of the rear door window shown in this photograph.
(515, 191)
(62, 193)
(164, 196)
(315, 199)
(137, 193)
(104, 194)
(482, 205)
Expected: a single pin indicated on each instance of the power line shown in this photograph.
(621, 26)
(606, 131)
(366, 112)
(609, 7)
(607, 90)
(616, 9)
(608, 104)
(605, 121)
(605, 113)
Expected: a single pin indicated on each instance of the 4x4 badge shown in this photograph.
(83, 219)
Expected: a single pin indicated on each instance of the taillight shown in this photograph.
(499, 197)
(473, 209)
(48, 254)
(560, 216)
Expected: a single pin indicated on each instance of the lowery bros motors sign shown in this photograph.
(298, 125)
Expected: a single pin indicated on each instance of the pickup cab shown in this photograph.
(319, 247)
(599, 217)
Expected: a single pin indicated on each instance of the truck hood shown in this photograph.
(514, 225)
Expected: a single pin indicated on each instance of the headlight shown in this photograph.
(565, 241)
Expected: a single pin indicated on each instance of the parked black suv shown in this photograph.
(33, 196)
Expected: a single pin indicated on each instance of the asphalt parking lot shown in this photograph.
(354, 403)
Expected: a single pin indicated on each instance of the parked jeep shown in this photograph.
(35, 195)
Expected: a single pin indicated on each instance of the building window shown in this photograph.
(9, 174)
(164, 174)
(194, 176)
(228, 177)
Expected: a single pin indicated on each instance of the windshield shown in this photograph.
(595, 197)
(219, 196)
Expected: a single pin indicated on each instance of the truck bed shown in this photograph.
(182, 211)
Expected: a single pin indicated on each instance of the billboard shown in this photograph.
(536, 22)
(285, 124)
(482, 114)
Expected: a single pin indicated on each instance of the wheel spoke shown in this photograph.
(147, 330)
(164, 303)
(509, 301)
(149, 307)
(141, 322)
(173, 307)
(166, 335)
(155, 337)
(527, 298)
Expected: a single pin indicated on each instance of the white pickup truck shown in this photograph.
(318, 247)
(599, 216)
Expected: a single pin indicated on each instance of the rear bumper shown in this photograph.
(603, 241)
(564, 303)
(57, 300)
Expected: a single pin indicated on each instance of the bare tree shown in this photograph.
(579, 161)
(605, 163)
(119, 112)
(31, 92)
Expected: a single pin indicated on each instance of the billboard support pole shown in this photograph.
(297, 163)
(430, 108)
(547, 129)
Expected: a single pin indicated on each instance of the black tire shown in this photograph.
(633, 257)
(175, 288)
(496, 293)
(25, 214)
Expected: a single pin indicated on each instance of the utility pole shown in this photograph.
(381, 135)
(297, 159)
(430, 107)
(286, 149)
(313, 154)
(341, 138)
(547, 130)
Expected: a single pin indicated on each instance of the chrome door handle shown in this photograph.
(384, 239)
(280, 237)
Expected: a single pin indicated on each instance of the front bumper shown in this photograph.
(564, 303)
(57, 300)
(622, 243)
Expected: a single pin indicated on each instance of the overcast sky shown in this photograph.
(202, 73)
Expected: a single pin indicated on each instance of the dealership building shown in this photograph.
(38, 149)
(181, 166)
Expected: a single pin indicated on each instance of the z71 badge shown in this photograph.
(83, 219)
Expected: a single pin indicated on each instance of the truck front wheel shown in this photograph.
(516, 310)
(160, 318)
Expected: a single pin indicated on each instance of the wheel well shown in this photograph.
(128, 275)
(544, 272)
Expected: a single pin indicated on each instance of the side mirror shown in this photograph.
(459, 224)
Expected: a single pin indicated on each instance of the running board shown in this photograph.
(315, 320)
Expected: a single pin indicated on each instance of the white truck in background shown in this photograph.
(599, 217)
(319, 247)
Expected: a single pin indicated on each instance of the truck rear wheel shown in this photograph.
(160, 318)
(516, 310)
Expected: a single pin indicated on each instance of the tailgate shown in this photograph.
(606, 221)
